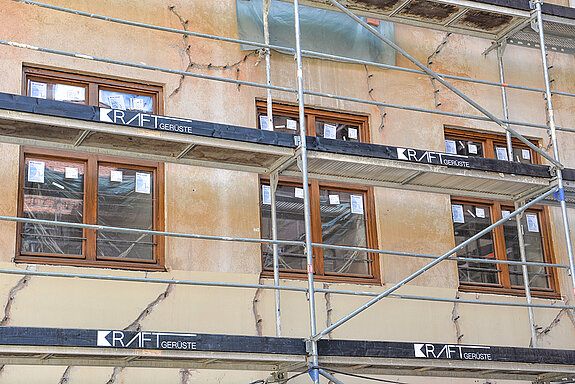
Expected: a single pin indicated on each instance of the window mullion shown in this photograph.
(91, 203)
(316, 237)
(500, 248)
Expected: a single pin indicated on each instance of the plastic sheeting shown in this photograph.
(321, 31)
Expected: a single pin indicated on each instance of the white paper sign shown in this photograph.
(329, 131)
(143, 184)
(525, 154)
(480, 212)
(291, 124)
(334, 199)
(450, 147)
(63, 92)
(357, 204)
(352, 133)
(116, 176)
(38, 90)
(137, 103)
(457, 212)
(264, 123)
(532, 223)
(299, 193)
(266, 194)
(36, 171)
(505, 213)
(116, 102)
(71, 173)
(472, 149)
(501, 153)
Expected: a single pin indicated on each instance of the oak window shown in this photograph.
(470, 216)
(88, 189)
(340, 214)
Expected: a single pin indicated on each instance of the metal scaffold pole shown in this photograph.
(273, 176)
(312, 352)
(553, 133)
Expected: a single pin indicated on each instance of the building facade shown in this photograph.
(60, 163)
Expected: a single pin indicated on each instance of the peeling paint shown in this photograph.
(328, 309)
(114, 376)
(455, 318)
(185, 376)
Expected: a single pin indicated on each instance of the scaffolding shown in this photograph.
(525, 186)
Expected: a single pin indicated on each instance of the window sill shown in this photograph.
(89, 263)
(547, 294)
(324, 278)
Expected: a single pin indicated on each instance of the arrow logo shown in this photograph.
(102, 341)
(105, 115)
(418, 352)
(401, 156)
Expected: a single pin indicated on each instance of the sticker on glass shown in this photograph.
(143, 183)
(526, 154)
(532, 223)
(501, 153)
(357, 204)
(38, 90)
(116, 102)
(457, 212)
(472, 148)
(334, 199)
(264, 123)
(352, 133)
(329, 131)
(116, 176)
(266, 194)
(450, 147)
(137, 103)
(291, 124)
(480, 212)
(36, 171)
(71, 173)
(505, 213)
(299, 193)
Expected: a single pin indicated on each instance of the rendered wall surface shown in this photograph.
(209, 201)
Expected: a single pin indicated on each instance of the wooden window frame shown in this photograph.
(89, 253)
(311, 115)
(489, 140)
(93, 84)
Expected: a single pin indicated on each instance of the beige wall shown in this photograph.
(208, 201)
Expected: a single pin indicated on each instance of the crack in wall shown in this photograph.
(551, 80)
(186, 375)
(430, 60)
(564, 311)
(328, 310)
(114, 376)
(370, 91)
(65, 375)
(20, 285)
(455, 319)
(255, 308)
(185, 56)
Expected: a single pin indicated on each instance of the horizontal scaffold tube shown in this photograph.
(273, 87)
(267, 241)
(315, 54)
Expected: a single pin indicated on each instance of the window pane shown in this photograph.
(126, 101)
(55, 91)
(281, 124)
(125, 199)
(53, 190)
(533, 250)
(290, 226)
(337, 131)
(464, 147)
(343, 223)
(468, 220)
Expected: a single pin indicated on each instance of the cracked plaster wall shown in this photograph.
(200, 200)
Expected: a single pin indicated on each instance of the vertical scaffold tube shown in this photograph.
(273, 177)
(525, 273)
(553, 132)
(307, 218)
